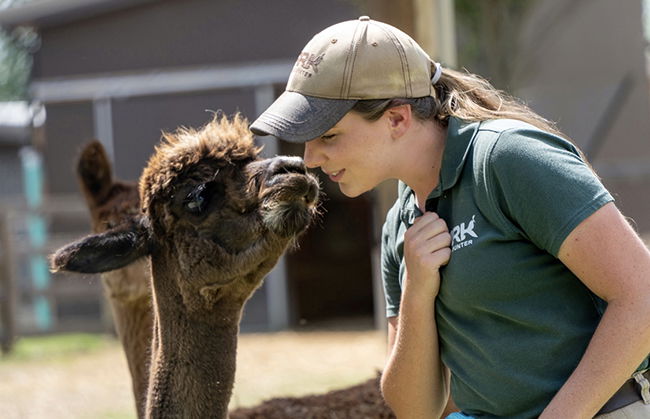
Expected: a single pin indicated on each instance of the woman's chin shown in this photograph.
(350, 191)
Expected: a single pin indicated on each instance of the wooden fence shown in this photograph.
(63, 302)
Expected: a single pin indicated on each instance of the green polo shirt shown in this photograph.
(513, 321)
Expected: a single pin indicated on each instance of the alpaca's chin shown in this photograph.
(288, 219)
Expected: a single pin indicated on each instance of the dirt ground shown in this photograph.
(95, 383)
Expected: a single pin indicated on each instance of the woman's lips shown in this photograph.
(336, 176)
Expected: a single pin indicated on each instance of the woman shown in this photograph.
(513, 284)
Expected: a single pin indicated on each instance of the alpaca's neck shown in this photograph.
(134, 324)
(193, 360)
(130, 298)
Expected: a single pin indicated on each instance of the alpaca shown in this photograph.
(215, 220)
(112, 203)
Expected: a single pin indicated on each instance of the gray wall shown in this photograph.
(69, 125)
(140, 121)
(185, 33)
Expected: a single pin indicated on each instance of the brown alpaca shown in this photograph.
(215, 220)
(112, 203)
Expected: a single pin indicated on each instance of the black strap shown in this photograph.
(431, 205)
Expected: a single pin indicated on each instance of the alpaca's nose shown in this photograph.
(285, 164)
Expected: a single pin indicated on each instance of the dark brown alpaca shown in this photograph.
(111, 204)
(215, 220)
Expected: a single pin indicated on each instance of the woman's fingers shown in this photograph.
(437, 242)
(426, 248)
(427, 221)
(426, 228)
(433, 253)
(427, 243)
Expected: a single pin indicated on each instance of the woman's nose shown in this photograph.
(313, 157)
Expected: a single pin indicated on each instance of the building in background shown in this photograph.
(123, 71)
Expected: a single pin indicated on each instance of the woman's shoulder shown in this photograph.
(504, 137)
(513, 127)
(512, 132)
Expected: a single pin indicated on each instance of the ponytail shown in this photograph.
(470, 97)
(465, 96)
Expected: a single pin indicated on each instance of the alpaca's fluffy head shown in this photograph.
(215, 217)
(222, 142)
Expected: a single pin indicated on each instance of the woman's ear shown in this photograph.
(399, 119)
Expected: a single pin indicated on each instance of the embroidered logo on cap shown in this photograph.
(307, 61)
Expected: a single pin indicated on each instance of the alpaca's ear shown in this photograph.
(103, 252)
(94, 173)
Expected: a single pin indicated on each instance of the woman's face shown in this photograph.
(352, 153)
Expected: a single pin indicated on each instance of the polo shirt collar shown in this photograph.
(460, 135)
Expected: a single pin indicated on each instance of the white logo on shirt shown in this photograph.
(460, 234)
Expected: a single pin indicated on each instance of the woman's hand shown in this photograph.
(427, 247)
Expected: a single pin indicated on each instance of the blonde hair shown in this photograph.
(465, 96)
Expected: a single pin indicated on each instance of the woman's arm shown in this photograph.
(392, 335)
(609, 258)
(415, 382)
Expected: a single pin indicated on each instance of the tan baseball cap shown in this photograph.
(349, 61)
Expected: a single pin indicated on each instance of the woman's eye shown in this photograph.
(327, 137)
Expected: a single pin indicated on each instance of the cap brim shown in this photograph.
(298, 118)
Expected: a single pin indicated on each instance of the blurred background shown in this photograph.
(123, 71)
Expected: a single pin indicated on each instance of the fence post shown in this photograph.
(7, 289)
(37, 234)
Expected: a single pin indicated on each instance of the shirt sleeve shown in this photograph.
(390, 264)
(543, 185)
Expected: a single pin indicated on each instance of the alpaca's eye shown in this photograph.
(196, 201)
(200, 198)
